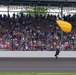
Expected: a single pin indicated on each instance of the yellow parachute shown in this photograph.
(64, 26)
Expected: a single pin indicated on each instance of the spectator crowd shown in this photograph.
(35, 33)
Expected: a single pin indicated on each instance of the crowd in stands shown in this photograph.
(35, 33)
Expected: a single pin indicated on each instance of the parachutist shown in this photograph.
(57, 53)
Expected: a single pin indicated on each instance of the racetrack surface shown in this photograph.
(59, 65)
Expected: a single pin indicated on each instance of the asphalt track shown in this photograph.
(38, 65)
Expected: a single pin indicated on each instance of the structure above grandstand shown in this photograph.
(66, 3)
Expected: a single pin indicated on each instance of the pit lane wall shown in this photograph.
(36, 54)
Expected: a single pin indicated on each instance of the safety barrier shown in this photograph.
(36, 54)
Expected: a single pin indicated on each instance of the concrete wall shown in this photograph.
(36, 54)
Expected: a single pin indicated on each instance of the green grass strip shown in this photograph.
(56, 74)
(37, 73)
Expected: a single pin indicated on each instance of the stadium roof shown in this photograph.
(65, 3)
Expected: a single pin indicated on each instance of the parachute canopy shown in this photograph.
(64, 26)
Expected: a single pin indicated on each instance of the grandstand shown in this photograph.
(38, 33)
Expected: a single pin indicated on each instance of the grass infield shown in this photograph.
(37, 73)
